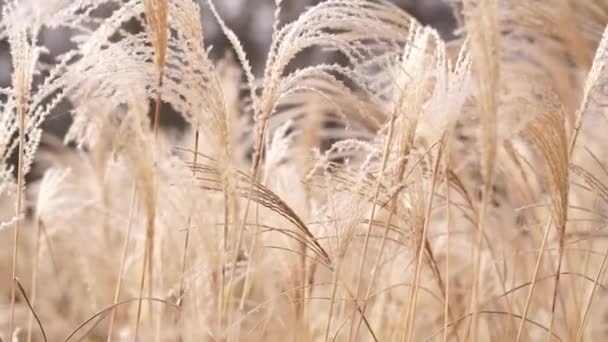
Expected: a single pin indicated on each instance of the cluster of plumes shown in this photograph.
(417, 191)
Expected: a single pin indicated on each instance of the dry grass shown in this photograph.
(419, 191)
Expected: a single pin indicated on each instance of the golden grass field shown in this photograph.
(414, 190)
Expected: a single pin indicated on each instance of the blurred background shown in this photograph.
(251, 20)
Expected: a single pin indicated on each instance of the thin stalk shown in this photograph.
(29, 304)
(594, 290)
(377, 261)
(332, 300)
(160, 285)
(103, 312)
(385, 157)
(148, 266)
(581, 322)
(142, 280)
(482, 24)
(446, 310)
(146, 269)
(411, 310)
(222, 265)
(576, 300)
(477, 258)
(18, 211)
(556, 287)
(562, 227)
(533, 284)
(34, 290)
(238, 241)
(250, 260)
(158, 104)
(393, 207)
(241, 231)
(123, 261)
(187, 238)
